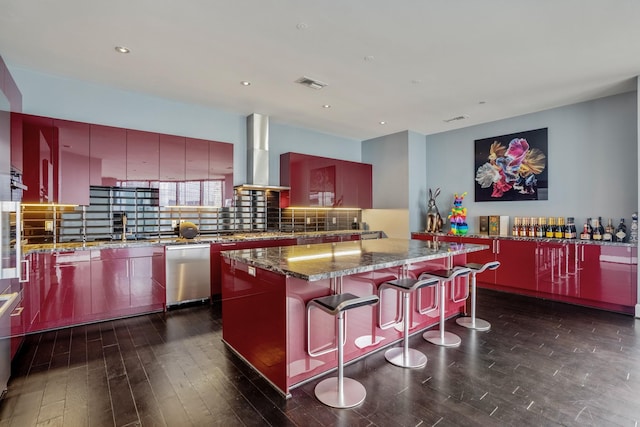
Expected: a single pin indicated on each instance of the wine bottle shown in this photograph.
(609, 231)
(621, 231)
(596, 230)
(515, 231)
(551, 227)
(601, 225)
(542, 227)
(533, 224)
(570, 229)
(524, 227)
(590, 228)
(559, 231)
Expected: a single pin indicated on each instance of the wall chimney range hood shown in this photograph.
(258, 154)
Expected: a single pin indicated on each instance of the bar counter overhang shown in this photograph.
(265, 292)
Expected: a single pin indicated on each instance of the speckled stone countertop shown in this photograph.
(236, 237)
(530, 239)
(328, 260)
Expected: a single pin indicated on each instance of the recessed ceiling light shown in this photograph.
(245, 83)
(382, 122)
(122, 49)
(326, 106)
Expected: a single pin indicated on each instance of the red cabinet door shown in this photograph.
(143, 159)
(16, 142)
(557, 269)
(482, 257)
(220, 174)
(110, 290)
(606, 274)
(108, 147)
(38, 159)
(72, 143)
(517, 264)
(172, 168)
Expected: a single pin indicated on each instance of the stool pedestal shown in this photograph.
(442, 337)
(472, 322)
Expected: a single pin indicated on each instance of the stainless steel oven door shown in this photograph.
(10, 239)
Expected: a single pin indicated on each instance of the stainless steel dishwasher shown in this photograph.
(188, 273)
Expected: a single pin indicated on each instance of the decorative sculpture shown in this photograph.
(458, 216)
(434, 220)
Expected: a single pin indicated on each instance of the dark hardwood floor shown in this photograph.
(542, 364)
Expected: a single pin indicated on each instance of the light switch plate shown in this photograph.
(48, 226)
(251, 271)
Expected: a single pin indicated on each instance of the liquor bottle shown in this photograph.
(515, 231)
(551, 227)
(601, 225)
(589, 228)
(596, 230)
(621, 231)
(609, 231)
(559, 231)
(585, 235)
(524, 227)
(633, 232)
(570, 229)
(533, 224)
(542, 227)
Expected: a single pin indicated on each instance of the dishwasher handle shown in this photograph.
(182, 247)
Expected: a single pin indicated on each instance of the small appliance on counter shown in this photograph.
(188, 230)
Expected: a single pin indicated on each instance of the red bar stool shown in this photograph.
(404, 356)
(441, 337)
(338, 392)
(472, 322)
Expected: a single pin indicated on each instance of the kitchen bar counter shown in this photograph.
(422, 235)
(265, 292)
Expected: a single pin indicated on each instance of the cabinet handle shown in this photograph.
(28, 266)
(497, 246)
(17, 312)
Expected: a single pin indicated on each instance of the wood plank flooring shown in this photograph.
(542, 364)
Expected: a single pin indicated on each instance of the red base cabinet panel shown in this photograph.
(607, 276)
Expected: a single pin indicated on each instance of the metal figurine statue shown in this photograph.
(434, 220)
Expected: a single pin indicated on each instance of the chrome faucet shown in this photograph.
(124, 226)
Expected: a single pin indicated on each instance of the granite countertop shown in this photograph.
(236, 237)
(328, 260)
(530, 239)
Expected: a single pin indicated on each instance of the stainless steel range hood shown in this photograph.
(258, 154)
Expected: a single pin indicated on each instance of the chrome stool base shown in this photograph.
(353, 393)
(477, 324)
(411, 359)
(446, 339)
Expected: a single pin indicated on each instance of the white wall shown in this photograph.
(592, 161)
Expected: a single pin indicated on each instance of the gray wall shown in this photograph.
(592, 161)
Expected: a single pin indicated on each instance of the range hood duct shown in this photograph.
(258, 154)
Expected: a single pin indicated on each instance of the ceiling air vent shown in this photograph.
(312, 83)
(453, 119)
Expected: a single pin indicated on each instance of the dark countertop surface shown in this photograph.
(328, 260)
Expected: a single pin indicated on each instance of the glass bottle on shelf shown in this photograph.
(621, 231)
(585, 235)
(551, 227)
(542, 227)
(609, 231)
(524, 228)
(515, 231)
(559, 232)
(601, 225)
(589, 228)
(533, 225)
(596, 230)
(570, 229)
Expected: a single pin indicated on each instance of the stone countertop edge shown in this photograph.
(233, 238)
(530, 239)
(275, 259)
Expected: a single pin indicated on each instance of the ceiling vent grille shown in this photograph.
(312, 83)
(453, 119)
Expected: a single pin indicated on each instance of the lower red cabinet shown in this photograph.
(607, 274)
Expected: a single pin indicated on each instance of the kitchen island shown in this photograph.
(265, 292)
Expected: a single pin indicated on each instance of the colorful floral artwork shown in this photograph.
(512, 167)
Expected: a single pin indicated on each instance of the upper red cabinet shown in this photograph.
(143, 159)
(38, 151)
(221, 173)
(324, 182)
(108, 155)
(71, 157)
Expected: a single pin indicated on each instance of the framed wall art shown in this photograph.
(512, 167)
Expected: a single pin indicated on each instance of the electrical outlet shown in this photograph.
(308, 220)
(48, 226)
(174, 223)
(334, 220)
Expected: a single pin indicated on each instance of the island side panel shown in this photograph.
(254, 318)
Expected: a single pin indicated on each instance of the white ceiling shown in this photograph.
(429, 60)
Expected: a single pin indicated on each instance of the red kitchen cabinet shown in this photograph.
(482, 257)
(108, 148)
(325, 182)
(221, 171)
(17, 327)
(72, 145)
(143, 159)
(172, 168)
(147, 280)
(557, 267)
(607, 275)
(16, 142)
(38, 158)
(31, 293)
(216, 259)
